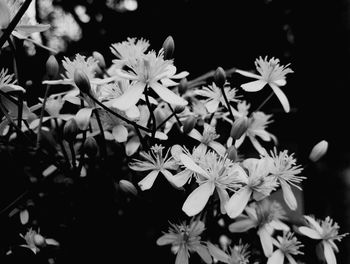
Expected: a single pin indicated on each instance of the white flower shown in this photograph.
(208, 139)
(7, 84)
(271, 73)
(266, 216)
(186, 239)
(258, 185)
(287, 245)
(327, 232)
(215, 97)
(156, 163)
(212, 172)
(284, 168)
(150, 71)
(238, 254)
(318, 151)
(35, 241)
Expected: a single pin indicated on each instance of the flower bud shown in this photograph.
(239, 127)
(189, 124)
(52, 67)
(70, 130)
(183, 86)
(220, 77)
(231, 153)
(39, 240)
(82, 81)
(127, 187)
(318, 151)
(179, 109)
(91, 147)
(100, 59)
(168, 47)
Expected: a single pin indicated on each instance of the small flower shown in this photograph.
(208, 139)
(327, 232)
(7, 84)
(238, 254)
(287, 245)
(258, 185)
(186, 239)
(265, 215)
(271, 73)
(214, 96)
(284, 168)
(154, 162)
(213, 173)
(34, 241)
(150, 71)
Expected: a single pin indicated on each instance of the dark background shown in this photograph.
(311, 35)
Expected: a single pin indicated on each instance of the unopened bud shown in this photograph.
(189, 124)
(127, 187)
(183, 86)
(318, 151)
(220, 77)
(52, 67)
(70, 130)
(179, 109)
(100, 59)
(39, 240)
(91, 147)
(82, 81)
(231, 153)
(168, 47)
(239, 127)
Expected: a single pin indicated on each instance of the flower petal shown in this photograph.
(148, 181)
(218, 147)
(307, 231)
(203, 253)
(168, 82)
(191, 165)
(248, 74)
(288, 195)
(120, 133)
(29, 29)
(5, 14)
(281, 96)
(133, 112)
(238, 202)
(254, 86)
(212, 106)
(182, 256)
(329, 253)
(181, 178)
(217, 253)
(276, 258)
(266, 241)
(242, 225)
(223, 196)
(197, 200)
(314, 223)
(166, 239)
(291, 259)
(132, 145)
(83, 118)
(167, 95)
(194, 133)
(130, 97)
(180, 75)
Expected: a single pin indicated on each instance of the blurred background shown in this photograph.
(311, 35)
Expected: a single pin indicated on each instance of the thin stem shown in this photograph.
(14, 22)
(264, 102)
(177, 118)
(42, 115)
(64, 151)
(14, 202)
(154, 125)
(41, 46)
(104, 148)
(72, 151)
(201, 79)
(20, 110)
(82, 150)
(117, 115)
(15, 58)
(165, 120)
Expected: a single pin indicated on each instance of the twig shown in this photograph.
(42, 115)
(153, 118)
(264, 102)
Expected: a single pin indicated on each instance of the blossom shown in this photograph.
(266, 216)
(238, 254)
(34, 241)
(150, 71)
(284, 168)
(327, 232)
(208, 139)
(154, 162)
(287, 245)
(7, 84)
(271, 73)
(186, 239)
(215, 97)
(213, 173)
(257, 185)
